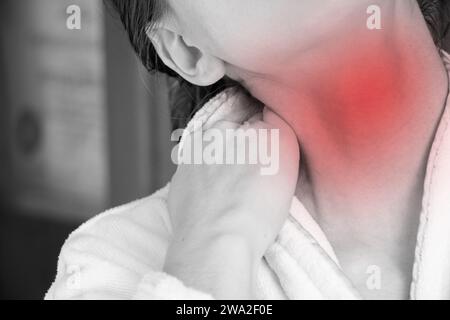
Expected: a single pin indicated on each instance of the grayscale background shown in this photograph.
(83, 128)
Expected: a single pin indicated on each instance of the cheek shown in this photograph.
(261, 34)
(254, 34)
(266, 47)
(260, 50)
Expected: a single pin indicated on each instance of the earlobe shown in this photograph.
(189, 61)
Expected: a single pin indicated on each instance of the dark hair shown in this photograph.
(437, 16)
(138, 15)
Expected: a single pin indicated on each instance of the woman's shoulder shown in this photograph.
(144, 213)
(132, 226)
(116, 247)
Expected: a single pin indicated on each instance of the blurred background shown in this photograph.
(83, 127)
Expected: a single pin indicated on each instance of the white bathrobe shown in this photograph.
(120, 254)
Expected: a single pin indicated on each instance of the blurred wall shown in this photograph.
(57, 110)
(83, 127)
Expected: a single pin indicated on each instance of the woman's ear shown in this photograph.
(189, 61)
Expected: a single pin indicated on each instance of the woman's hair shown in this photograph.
(138, 16)
(437, 16)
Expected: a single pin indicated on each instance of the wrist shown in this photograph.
(223, 265)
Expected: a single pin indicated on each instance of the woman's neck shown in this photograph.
(365, 107)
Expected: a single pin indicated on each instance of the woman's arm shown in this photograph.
(224, 266)
(226, 216)
(223, 220)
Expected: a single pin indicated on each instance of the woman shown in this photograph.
(353, 218)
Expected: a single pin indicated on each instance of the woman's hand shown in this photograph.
(225, 217)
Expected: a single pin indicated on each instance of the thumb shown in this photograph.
(288, 145)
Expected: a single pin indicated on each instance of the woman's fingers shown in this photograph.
(265, 138)
(288, 146)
